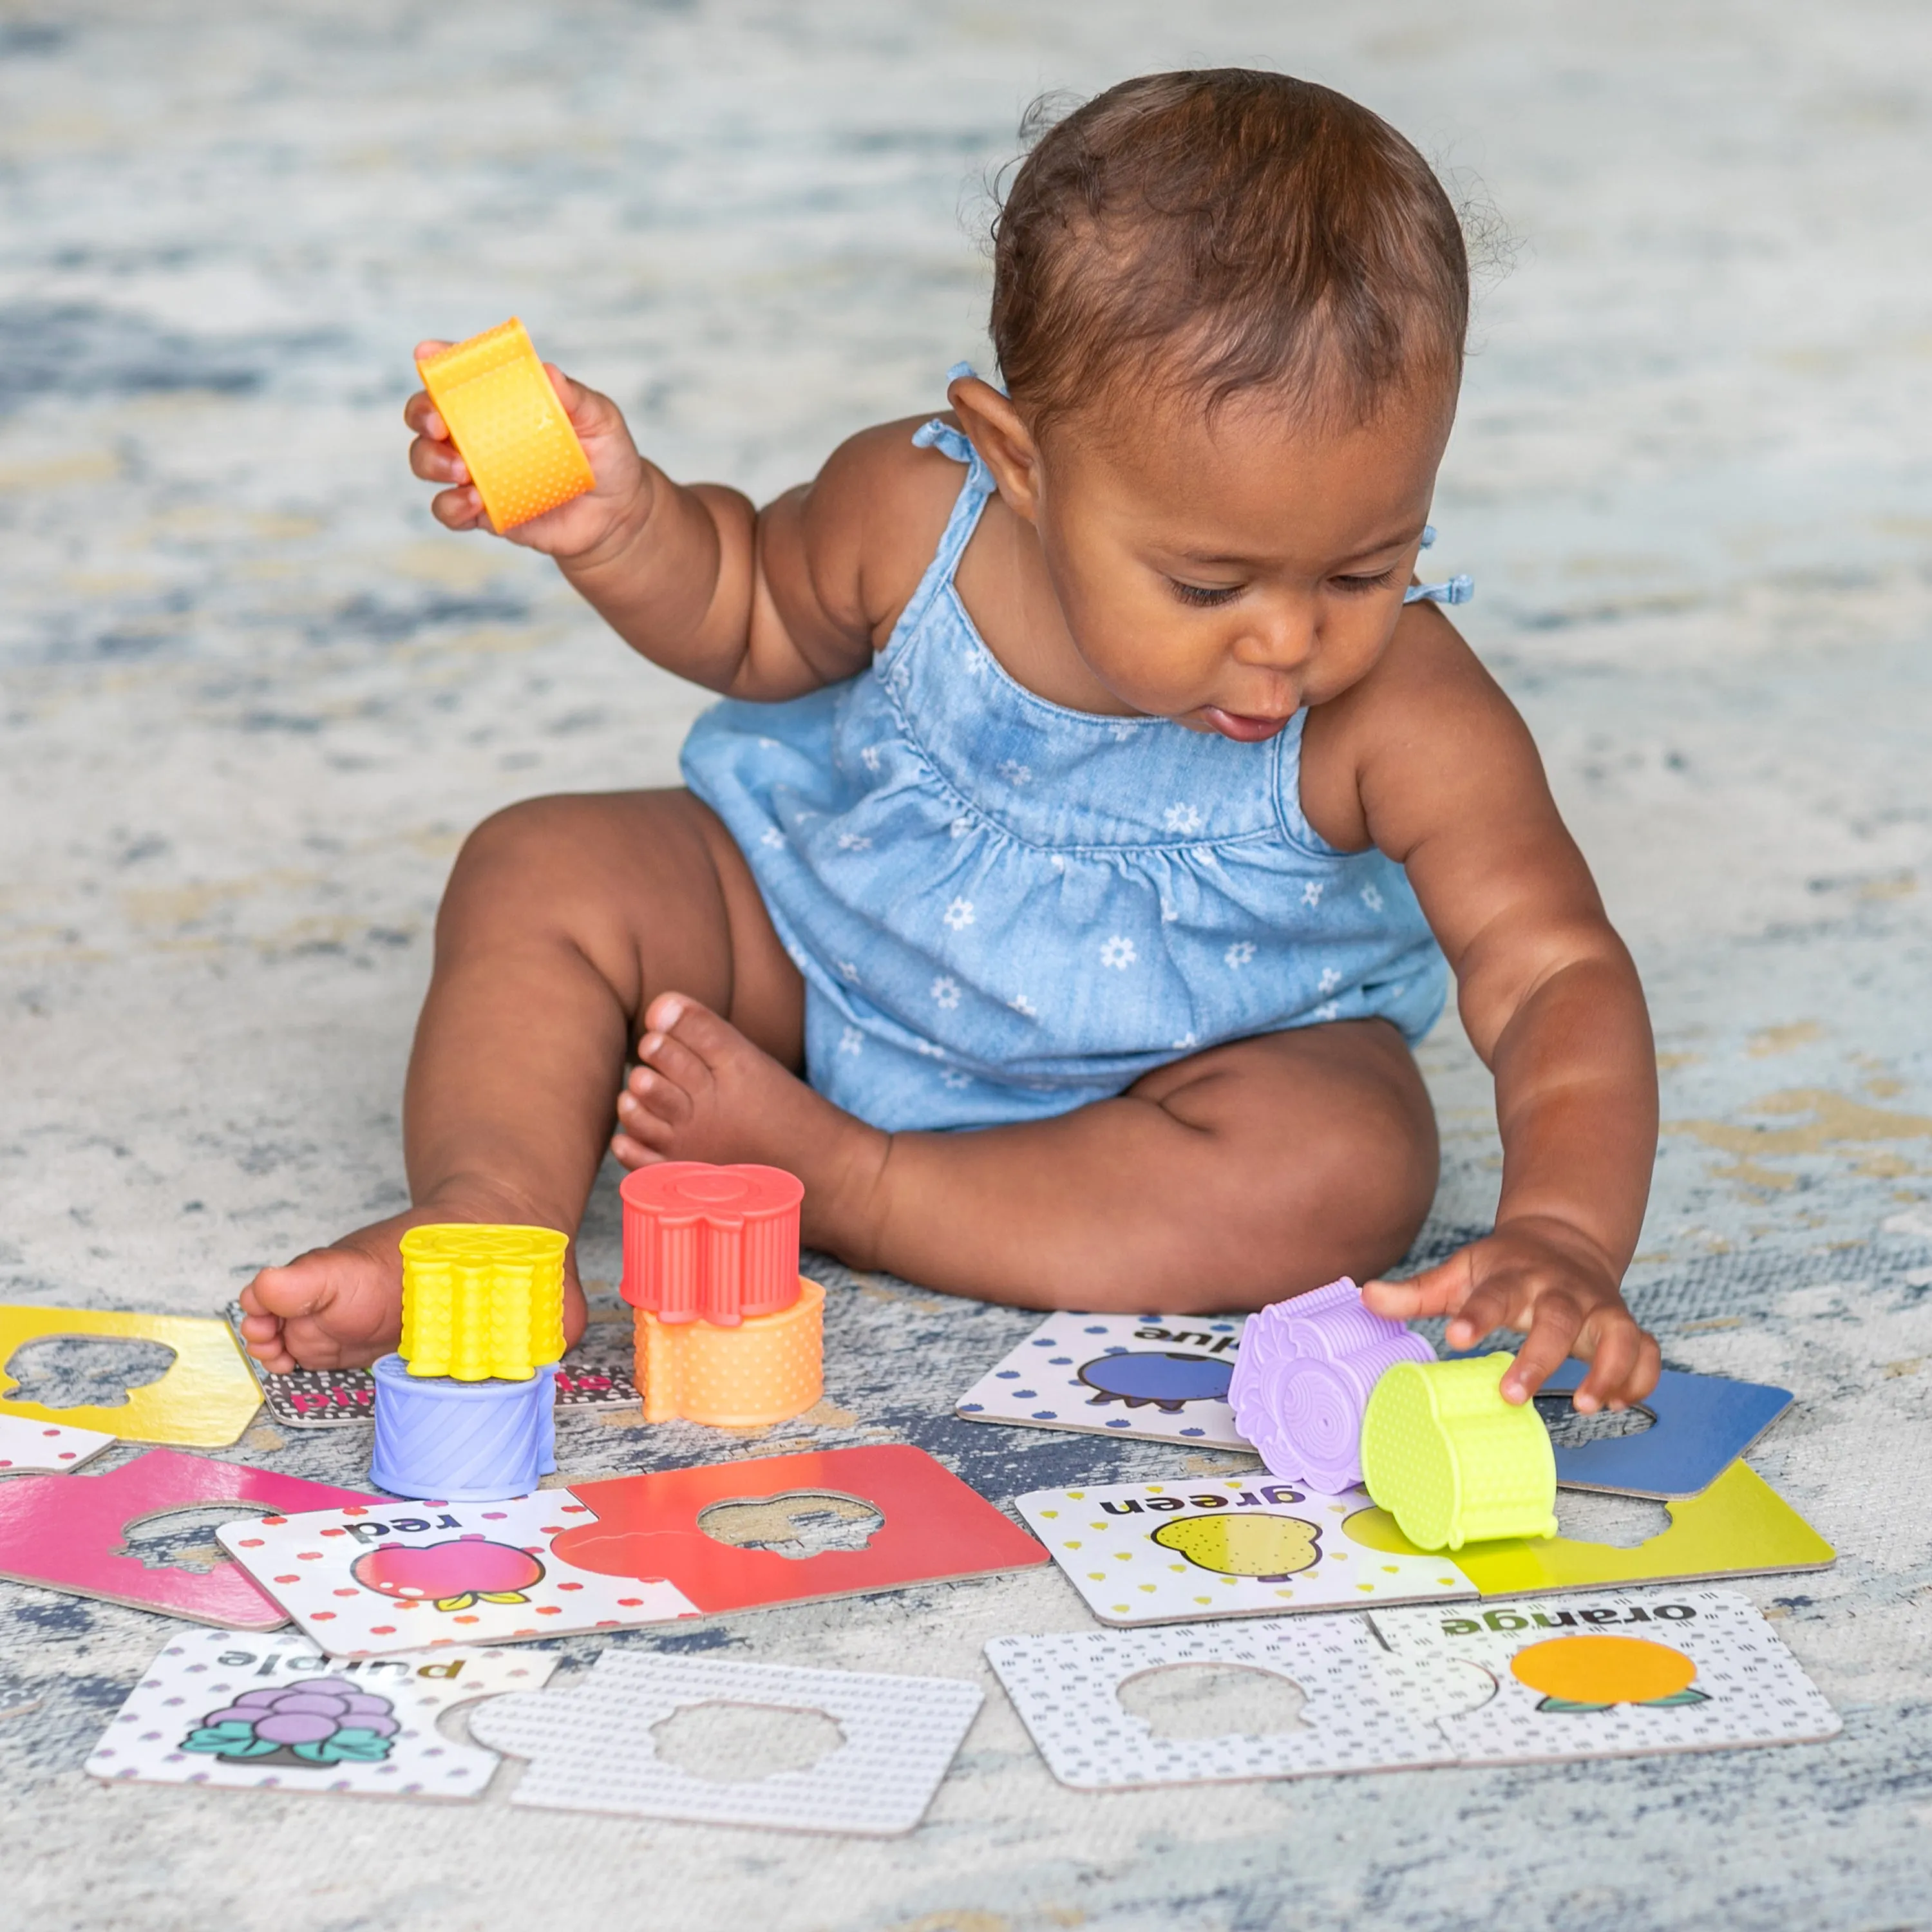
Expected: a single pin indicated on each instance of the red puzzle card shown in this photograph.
(786, 1529)
(107, 1536)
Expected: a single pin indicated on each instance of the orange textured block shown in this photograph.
(504, 419)
(768, 1368)
(716, 1244)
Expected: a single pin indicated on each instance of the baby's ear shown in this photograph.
(998, 432)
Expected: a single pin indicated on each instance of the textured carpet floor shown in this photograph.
(253, 699)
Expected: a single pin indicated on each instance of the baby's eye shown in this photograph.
(1355, 587)
(1202, 595)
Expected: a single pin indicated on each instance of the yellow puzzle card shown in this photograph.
(204, 1399)
(1740, 1526)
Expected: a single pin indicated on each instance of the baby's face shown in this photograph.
(1224, 571)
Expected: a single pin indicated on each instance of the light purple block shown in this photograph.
(1302, 1380)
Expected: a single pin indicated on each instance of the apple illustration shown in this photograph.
(452, 1575)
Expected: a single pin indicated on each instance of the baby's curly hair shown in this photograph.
(1214, 231)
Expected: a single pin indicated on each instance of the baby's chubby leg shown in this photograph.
(1225, 1181)
(562, 917)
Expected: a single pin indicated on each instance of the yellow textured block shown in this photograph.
(768, 1368)
(504, 419)
(479, 1301)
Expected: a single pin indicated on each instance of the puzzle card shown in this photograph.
(1066, 1688)
(372, 1580)
(1202, 1547)
(1618, 1675)
(49, 1448)
(1162, 1378)
(593, 1746)
(239, 1709)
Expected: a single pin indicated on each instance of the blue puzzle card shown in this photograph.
(1162, 1378)
(1700, 1425)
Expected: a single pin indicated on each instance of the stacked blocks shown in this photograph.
(729, 1332)
(465, 1412)
(482, 1301)
(1453, 1461)
(497, 401)
(462, 1442)
(1303, 1380)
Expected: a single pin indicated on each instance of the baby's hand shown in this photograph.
(1546, 1277)
(616, 505)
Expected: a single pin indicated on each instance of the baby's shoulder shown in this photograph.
(1426, 719)
(873, 517)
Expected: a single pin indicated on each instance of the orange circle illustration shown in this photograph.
(1604, 1670)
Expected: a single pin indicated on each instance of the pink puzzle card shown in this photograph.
(82, 1534)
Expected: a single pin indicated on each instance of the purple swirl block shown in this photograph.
(1302, 1379)
(462, 1442)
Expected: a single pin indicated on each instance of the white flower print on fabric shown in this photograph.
(945, 991)
(847, 970)
(954, 1078)
(771, 836)
(869, 758)
(960, 827)
(1238, 955)
(1372, 897)
(1124, 731)
(975, 660)
(799, 818)
(851, 1041)
(958, 915)
(1168, 912)
(1117, 951)
(1311, 893)
(1014, 773)
(854, 842)
(1184, 818)
(1186, 1043)
(1329, 1009)
(928, 1050)
(1330, 979)
(1021, 1003)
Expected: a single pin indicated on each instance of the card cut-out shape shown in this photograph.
(1740, 1526)
(935, 1529)
(72, 1533)
(595, 1374)
(204, 1400)
(28, 1446)
(591, 1747)
(1620, 1675)
(1066, 1690)
(630, 1549)
(1162, 1378)
(1701, 1425)
(1177, 1552)
(383, 1576)
(231, 1708)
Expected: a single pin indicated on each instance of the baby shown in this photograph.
(1072, 864)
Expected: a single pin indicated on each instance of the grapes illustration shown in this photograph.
(323, 1720)
(452, 1575)
(1271, 1549)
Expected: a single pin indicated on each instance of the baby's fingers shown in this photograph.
(1435, 1290)
(1624, 1368)
(437, 461)
(1553, 1327)
(460, 509)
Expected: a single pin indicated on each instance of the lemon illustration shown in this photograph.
(1592, 1673)
(1269, 1547)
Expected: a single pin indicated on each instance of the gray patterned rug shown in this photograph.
(253, 698)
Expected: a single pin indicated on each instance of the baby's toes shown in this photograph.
(699, 1035)
(670, 1076)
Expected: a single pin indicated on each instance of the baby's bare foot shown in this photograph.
(341, 1307)
(704, 1092)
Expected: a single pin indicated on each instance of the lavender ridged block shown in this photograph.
(462, 1442)
(1302, 1381)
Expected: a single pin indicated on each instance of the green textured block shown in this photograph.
(1451, 1461)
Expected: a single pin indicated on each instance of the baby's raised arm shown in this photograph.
(1446, 780)
(757, 604)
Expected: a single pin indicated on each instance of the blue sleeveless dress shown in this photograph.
(1004, 910)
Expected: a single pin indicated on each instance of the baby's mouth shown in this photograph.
(1240, 727)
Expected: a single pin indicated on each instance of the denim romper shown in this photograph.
(1004, 909)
